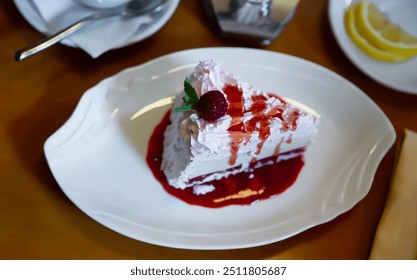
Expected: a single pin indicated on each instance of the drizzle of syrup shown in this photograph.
(240, 131)
(240, 189)
(236, 129)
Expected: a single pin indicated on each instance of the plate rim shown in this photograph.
(90, 94)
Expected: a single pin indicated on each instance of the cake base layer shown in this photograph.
(248, 169)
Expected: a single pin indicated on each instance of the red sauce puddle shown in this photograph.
(240, 189)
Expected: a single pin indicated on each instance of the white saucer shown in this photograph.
(31, 14)
(399, 76)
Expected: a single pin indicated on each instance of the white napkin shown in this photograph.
(396, 235)
(98, 37)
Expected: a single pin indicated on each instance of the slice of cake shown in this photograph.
(222, 126)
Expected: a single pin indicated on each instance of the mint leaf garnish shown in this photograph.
(190, 98)
(183, 108)
(190, 92)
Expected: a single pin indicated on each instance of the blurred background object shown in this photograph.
(260, 21)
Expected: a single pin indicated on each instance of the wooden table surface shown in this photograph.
(39, 94)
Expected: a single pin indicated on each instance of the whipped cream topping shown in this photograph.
(257, 125)
(208, 76)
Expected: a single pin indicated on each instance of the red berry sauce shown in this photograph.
(240, 131)
(240, 189)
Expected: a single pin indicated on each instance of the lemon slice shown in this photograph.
(383, 33)
(358, 36)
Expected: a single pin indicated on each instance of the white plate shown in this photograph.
(98, 156)
(399, 76)
(30, 13)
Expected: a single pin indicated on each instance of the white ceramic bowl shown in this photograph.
(102, 3)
